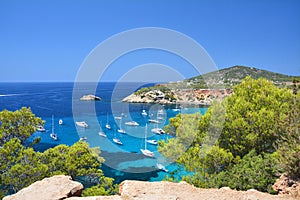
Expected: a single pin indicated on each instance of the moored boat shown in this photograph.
(82, 124)
(117, 141)
(132, 123)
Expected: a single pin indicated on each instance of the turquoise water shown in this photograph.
(121, 161)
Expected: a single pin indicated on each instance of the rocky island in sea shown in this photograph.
(90, 97)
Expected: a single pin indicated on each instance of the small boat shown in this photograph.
(82, 124)
(144, 113)
(83, 139)
(161, 167)
(121, 131)
(52, 134)
(107, 126)
(160, 112)
(118, 117)
(158, 131)
(40, 129)
(101, 133)
(176, 109)
(145, 151)
(132, 123)
(148, 153)
(117, 141)
(60, 122)
(153, 121)
(154, 142)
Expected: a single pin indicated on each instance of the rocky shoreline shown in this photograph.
(180, 96)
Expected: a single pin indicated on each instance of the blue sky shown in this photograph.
(49, 40)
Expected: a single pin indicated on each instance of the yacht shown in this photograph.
(144, 113)
(60, 122)
(101, 133)
(52, 134)
(132, 123)
(107, 126)
(145, 151)
(158, 131)
(120, 130)
(117, 141)
(40, 129)
(154, 142)
(82, 124)
(161, 167)
(153, 121)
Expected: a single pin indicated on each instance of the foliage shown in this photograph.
(289, 146)
(254, 114)
(253, 171)
(20, 124)
(20, 166)
(105, 188)
(259, 118)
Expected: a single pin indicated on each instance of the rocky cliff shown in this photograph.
(62, 187)
(179, 96)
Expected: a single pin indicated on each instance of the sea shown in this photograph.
(62, 101)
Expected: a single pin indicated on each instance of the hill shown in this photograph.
(205, 88)
(233, 75)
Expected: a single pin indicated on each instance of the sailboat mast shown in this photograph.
(52, 124)
(146, 137)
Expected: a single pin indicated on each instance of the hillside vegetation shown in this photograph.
(204, 89)
(245, 141)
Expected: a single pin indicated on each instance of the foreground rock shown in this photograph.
(286, 186)
(139, 190)
(62, 187)
(56, 187)
(90, 97)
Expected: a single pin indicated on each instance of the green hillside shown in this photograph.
(226, 78)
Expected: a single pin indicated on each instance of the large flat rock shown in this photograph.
(56, 187)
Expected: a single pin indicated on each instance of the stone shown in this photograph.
(90, 97)
(56, 187)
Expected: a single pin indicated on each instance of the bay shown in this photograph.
(62, 101)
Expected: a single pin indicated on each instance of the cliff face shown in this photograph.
(180, 96)
(62, 187)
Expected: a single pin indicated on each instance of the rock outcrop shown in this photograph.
(62, 187)
(90, 97)
(286, 186)
(180, 96)
(56, 187)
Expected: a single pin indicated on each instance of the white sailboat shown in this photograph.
(176, 109)
(101, 133)
(60, 122)
(144, 113)
(116, 140)
(82, 124)
(154, 142)
(52, 134)
(157, 130)
(161, 167)
(120, 130)
(145, 151)
(107, 125)
(40, 128)
(132, 123)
